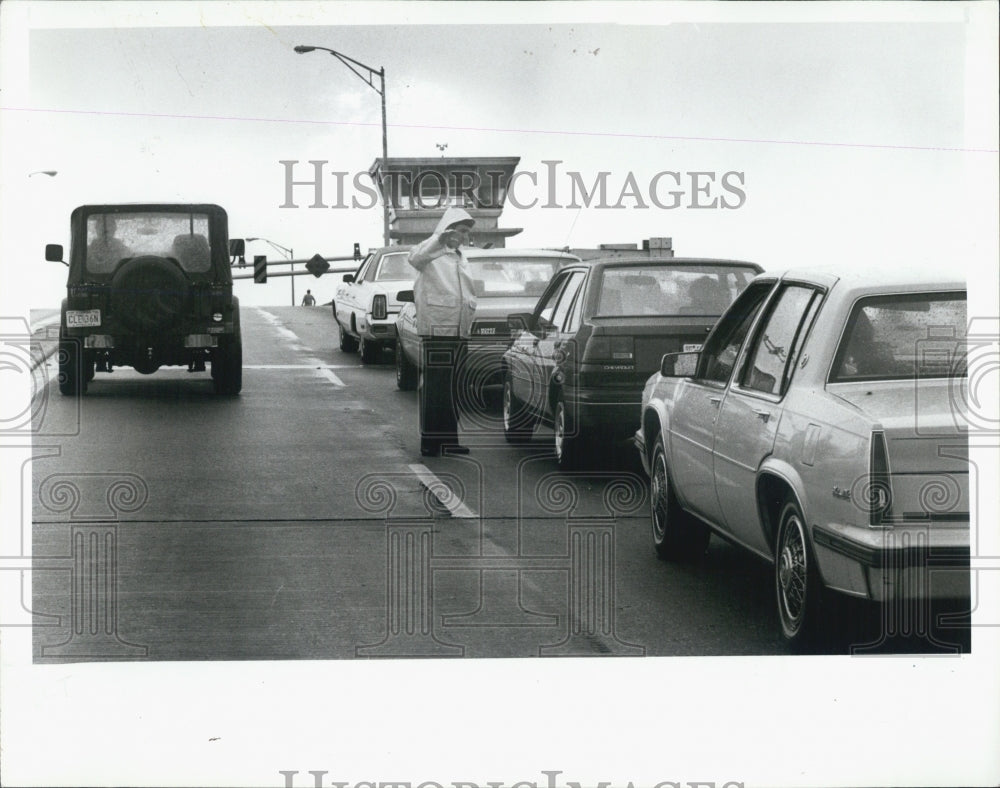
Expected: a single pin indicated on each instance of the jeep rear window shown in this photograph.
(113, 238)
(903, 336)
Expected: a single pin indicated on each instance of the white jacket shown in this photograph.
(442, 292)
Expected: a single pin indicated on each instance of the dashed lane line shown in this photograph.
(445, 495)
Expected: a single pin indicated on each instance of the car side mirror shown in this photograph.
(237, 247)
(679, 365)
(54, 253)
(405, 296)
(348, 277)
(521, 321)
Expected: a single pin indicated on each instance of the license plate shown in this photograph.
(81, 318)
(692, 347)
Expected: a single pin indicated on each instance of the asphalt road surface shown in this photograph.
(299, 521)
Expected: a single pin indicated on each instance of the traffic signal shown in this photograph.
(357, 251)
(260, 268)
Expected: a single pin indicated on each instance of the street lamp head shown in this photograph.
(253, 239)
(303, 49)
(50, 173)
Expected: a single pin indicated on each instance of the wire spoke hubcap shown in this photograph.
(792, 571)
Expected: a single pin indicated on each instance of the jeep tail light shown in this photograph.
(879, 481)
(616, 349)
(379, 308)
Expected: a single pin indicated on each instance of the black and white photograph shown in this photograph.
(549, 394)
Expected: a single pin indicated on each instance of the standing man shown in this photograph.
(445, 303)
(308, 299)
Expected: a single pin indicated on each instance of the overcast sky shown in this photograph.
(863, 133)
(844, 139)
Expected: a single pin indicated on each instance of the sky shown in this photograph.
(859, 134)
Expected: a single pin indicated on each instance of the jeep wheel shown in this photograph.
(406, 373)
(149, 294)
(72, 376)
(227, 367)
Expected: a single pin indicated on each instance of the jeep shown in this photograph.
(149, 285)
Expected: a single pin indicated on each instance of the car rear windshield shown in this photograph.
(512, 276)
(115, 237)
(395, 266)
(661, 290)
(903, 336)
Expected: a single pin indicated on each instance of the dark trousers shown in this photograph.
(441, 357)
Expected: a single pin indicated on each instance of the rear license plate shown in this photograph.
(692, 347)
(82, 318)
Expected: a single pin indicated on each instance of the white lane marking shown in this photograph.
(326, 373)
(442, 492)
(317, 365)
(296, 346)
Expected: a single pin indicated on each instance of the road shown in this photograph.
(299, 521)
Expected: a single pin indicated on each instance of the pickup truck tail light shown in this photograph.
(379, 308)
(610, 349)
(879, 481)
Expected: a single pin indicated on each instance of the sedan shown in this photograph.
(365, 305)
(579, 361)
(506, 281)
(822, 428)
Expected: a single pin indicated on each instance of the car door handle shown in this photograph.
(715, 400)
(763, 415)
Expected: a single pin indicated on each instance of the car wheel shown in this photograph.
(518, 425)
(347, 343)
(570, 448)
(370, 350)
(796, 578)
(677, 535)
(406, 373)
(72, 376)
(227, 368)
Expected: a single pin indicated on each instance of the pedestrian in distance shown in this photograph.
(445, 303)
(308, 299)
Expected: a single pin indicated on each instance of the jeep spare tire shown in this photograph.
(148, 294)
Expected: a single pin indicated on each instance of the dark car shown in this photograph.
(580, 360)
(149, 285)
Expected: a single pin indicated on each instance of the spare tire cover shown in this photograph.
(149, 294)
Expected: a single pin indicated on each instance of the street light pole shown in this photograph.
(369, 80)
(291, 257)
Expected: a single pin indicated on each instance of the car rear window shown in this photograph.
(512, 276)
(661, 290)
(903, 336)
(395, 266)
(115, 237)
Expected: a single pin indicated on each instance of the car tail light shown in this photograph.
(379, 308)
(879, 481)
(614, 349)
